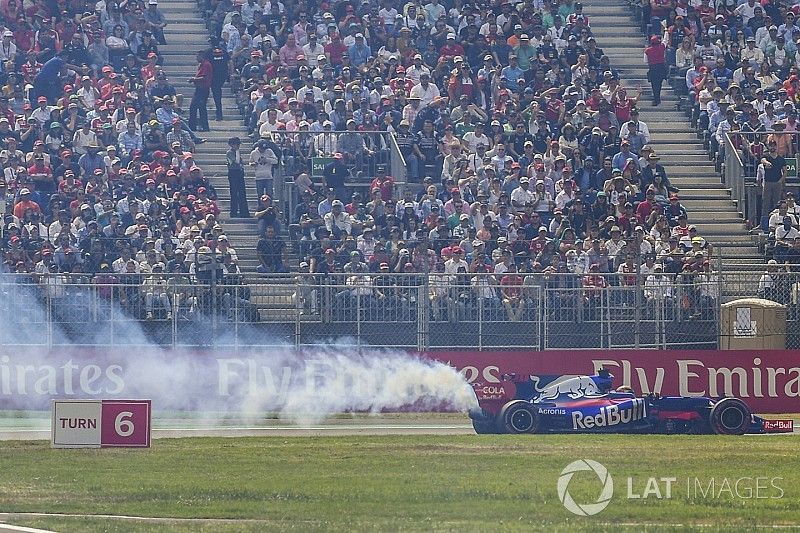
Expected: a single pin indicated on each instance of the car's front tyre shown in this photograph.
(518, 416)
(730, 416)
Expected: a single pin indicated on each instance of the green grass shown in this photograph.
(393, 482)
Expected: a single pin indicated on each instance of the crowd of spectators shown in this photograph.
(738, 65)
(523, 148)
(99, 181)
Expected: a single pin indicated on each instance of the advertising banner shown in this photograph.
(769, 381)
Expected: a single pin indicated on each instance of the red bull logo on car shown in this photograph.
(611, 415)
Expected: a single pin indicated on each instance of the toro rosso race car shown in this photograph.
(588, 404)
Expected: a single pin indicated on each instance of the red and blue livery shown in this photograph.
(590, 404)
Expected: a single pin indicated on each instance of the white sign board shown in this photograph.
(76, 423)
(101, 423)
(744, 325)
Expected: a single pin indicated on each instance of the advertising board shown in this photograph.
(29, 378)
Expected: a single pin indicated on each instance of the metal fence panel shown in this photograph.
(409, 311)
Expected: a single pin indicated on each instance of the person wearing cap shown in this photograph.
(130, 139)
(271, 251)
(155, 21)
(154, 287)
(178, 138)
(8, 49)
(352, 146)
(771, 176)
(425, 90)
(24, 203)
(262, 158)
(202, 81)
(166, 115)
(385, 183)
(220, 60)
(338, 222)
(622, 158)
(312, 50)
(359, 52)
(785, 235)
(417, 68)
(235, 163)
(655, 57)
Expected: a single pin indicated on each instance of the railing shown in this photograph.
(412, 311)
(307, 152)
(399, 166)
(742, 153)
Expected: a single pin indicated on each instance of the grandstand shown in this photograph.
(458, 169)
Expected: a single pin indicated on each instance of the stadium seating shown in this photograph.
(480, 150)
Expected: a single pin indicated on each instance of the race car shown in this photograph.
(590, 404)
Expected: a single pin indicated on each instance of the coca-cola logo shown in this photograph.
(494, 391)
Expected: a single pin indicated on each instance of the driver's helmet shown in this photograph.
(625, 388)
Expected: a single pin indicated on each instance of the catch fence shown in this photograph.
(399, 310)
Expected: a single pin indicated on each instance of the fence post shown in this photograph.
(298, 306)
(543, 318)
(175, 305)
(358, 318)
(49, 320)
(607, 315)
(423, 316)
(480, 321)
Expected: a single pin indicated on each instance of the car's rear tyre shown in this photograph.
(485, 427)
(730, 416)
(517, 417)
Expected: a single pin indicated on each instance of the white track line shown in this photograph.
(166, 520)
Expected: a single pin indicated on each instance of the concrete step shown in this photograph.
(666, 137)
(674, 151)
(717, 228)
(710, 194)
(691, 183)
(715, 207)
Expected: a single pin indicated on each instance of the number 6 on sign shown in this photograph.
(123, 425)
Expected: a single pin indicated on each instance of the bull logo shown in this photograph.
(573, 386)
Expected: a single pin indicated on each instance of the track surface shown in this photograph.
(38, 427)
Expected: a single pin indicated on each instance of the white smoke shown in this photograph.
(373, 382)
(300, 387)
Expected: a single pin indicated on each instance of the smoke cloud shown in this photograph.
(305, 386)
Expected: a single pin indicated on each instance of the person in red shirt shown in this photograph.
(25, 203)
(451, 48)
(511, 288)
(31, 67)
(594, 284)
(622, 104)
(383, 182)
(42, 174)
(150, 68)
(655, 56)
(202, 89)
(335, 50)
(400, 82)
(68, 187)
